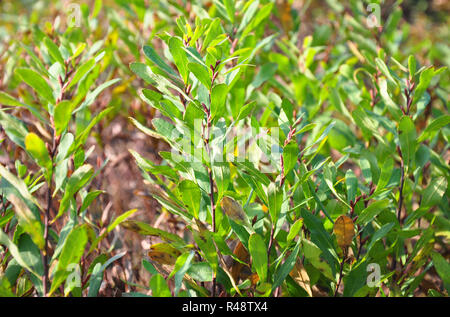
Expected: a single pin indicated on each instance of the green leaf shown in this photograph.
(179, 57)
(434, 126)
(261, 15)
(246, 110)
(19, 185)
(275, 199)
(201, 272)
(290, 155)
(80, 139)
(8, 100)
(434, 192)
(218, 99)
(37, 149)
(28, 221)
(97, 275)
(221, 173)
(372, 211)
(37, 82)
(411, 65)
(120, 219)
(76, 181)
(266, 72)
(53, 50)
(14, 128)
(182, 265)
(63, 114)
(201, 73)
(212, 33)
(258, 252)
(286, 267)
(155, 58)
(386, 173)
(407, 139)
(191, 196)
(355, 279)
(81, 72)
(385, 70)
(424, 82)
(380, 233)
(442, 267)
(92, 95)
(352, 185)
(229, 6)
(90, 197)
(159, 286)
(295, 229)
(15, 252)
(204, 242)
(71, 253)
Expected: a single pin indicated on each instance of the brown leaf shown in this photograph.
(241, 253)
(300, 276)
(344, 231)
(233, 209)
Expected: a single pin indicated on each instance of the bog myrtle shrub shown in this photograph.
(297, 164)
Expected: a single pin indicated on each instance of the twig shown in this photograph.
(341, 270)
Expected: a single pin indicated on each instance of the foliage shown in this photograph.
(296, 164)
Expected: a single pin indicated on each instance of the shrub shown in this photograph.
(301, 157)
(329, 147)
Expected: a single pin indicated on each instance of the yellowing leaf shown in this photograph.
(163, 253)
(344, 231)
(233, 210)
(300, 276)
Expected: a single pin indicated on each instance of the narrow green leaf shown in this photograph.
(442, 267)
(97, 275)
(71, 254)
(76, 181)
(159, 286)
(191, 196)
(15, 252)
(407, 139)
(37, 149)
(201, 73)
(28, 221)
(434, 192)
(179, 57)
(218, 99)
(14, 128)
(258, 252)
(8, 100)
(37, 82)
(81, 72)
(155, 58)
(435, 125)
(53, 50)
(424, 81)
(386, 173)
(145, 229)
(63, 114)
(372, 211)
(275, 199)
(290, 155)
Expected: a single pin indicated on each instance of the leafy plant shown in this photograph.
(60, 73)
(279, 212)
(295, 150)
